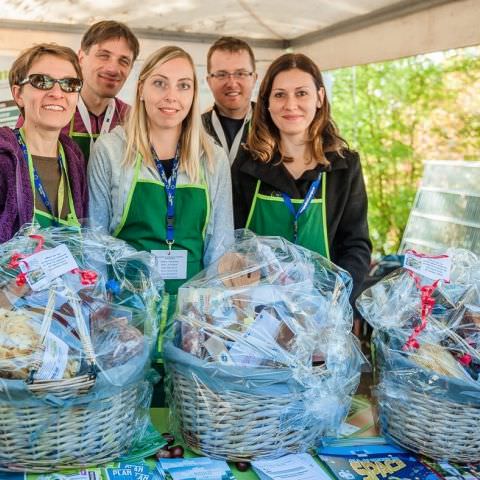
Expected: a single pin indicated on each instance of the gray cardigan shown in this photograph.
(110, 182)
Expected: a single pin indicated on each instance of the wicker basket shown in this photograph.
(435, 416)
(92, 431)
(239, 425)
(56, 424)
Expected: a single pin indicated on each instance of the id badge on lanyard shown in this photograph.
(306, 202)
(172, 264)
(39, 185)
(85, 116)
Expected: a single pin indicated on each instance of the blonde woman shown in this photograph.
(160, 184)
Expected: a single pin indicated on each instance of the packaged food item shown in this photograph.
(78, 322)
(261, 360)
(427, 343)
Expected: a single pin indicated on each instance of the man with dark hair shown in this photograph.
(231, 78)
(107, 53)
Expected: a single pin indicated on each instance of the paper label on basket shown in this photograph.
(299, 466)
(171, 264)
(45, 266)
(217, 350)
(258, 343)
(435, 267)
(55, 358)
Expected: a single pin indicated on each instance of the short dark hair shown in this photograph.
(23, 63)
(105, 30)
(230, 44)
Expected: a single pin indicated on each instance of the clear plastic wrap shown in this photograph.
(78, 322)
(261, 360)
(427, 344)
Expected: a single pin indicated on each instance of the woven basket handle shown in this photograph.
(85, 339)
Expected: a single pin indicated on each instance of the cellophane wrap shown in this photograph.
(261, 360)
(427, 346)
(75, 344)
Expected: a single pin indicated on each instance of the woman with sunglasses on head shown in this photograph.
(161, 184)
(296, 177)
(42, 172)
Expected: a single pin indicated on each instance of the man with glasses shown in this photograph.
(231, 78)
(107, 52)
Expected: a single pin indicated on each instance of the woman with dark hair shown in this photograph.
(42, 171)
(296, 176)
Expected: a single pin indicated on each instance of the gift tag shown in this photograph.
(435, 267)
(55, 358)
(43, 267)
(172, 264)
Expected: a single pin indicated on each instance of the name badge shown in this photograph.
(172, 264)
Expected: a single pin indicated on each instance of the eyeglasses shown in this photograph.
(237, 75)
(45, 82)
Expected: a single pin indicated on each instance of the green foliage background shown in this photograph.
(398, 114)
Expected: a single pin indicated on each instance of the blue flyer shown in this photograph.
(371, 461)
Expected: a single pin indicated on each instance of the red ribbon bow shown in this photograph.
(427, 303)
(87, 277)
(465, 359)
(15, 260)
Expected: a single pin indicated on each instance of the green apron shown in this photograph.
(82, 139)
(44, 219)
(270, 216)
(143, 226)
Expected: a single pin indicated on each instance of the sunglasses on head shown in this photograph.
(45, 82)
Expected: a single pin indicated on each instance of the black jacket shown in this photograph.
(346, 203)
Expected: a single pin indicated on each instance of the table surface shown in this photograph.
(362, 417)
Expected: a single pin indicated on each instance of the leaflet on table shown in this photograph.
(452, 471)
(150, 442)
(346, 429)
(364, 459)
(89, 474)
(299, 466)
(130, 471)
(201, 468)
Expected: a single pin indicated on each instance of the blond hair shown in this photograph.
(194, 141)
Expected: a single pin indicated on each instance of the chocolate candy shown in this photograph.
(242, 466)
(176, 451)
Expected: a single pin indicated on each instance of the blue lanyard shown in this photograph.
(36, 178)
(170, 187)
(306, 202)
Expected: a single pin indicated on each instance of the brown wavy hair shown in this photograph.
(264, 137)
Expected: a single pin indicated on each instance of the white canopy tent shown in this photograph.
(336, 33)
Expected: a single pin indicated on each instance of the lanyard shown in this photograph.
(170, 187)
(39, 185)
(107, 120)
(217, 126)
(306, 202)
